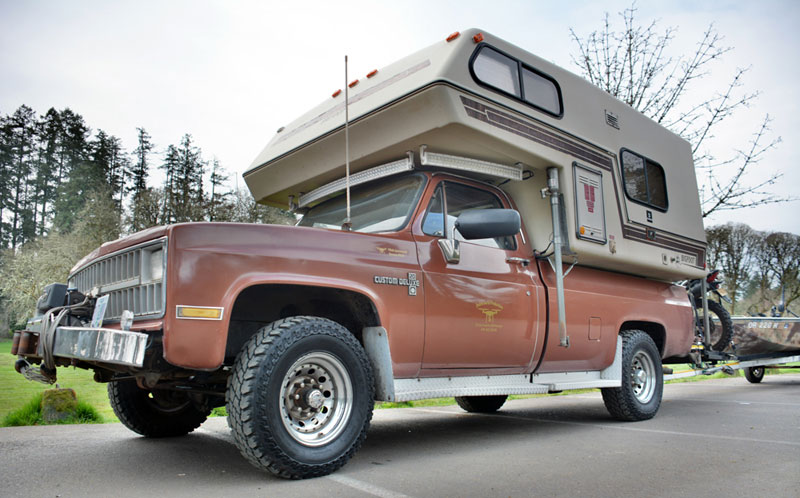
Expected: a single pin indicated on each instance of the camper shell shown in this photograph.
(628, 186)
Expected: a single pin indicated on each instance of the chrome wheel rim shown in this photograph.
(316, 399)
(643, 377)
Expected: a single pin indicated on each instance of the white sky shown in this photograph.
(231, 73)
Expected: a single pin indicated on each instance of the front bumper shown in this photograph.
(97, 345)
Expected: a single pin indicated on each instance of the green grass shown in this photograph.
(16, 391)
(31, 414)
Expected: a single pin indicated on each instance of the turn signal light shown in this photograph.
(199, 312)
(453, 36)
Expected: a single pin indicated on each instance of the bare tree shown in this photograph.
(731, 248)
(632, 64)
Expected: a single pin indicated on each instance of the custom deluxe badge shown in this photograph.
(411, 282)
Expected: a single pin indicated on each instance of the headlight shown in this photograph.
(153, 266)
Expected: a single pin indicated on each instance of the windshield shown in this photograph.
(379, 206)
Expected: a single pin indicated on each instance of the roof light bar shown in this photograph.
(368, 175)
(470, 165)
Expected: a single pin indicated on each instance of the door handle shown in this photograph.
(518, 261)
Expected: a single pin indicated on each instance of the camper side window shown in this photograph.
(644, 180)
(462, 198)
(494, 69)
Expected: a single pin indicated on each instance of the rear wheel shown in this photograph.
(300, 397)
(156, 413)
(481, 404)
(754, 375)
(639, 396)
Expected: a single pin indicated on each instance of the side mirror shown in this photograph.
(488, 223)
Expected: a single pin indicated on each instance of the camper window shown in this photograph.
(540, 91)
(644, 180)
(498, 71)
(462, 198)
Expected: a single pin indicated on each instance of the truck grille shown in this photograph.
(133, 279)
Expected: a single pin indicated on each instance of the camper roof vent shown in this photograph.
(612, 120)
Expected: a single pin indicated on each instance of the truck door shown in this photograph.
(480, 312)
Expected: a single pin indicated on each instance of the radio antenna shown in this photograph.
(347, 225)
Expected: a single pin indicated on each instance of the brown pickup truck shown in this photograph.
(432, 281)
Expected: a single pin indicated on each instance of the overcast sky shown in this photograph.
(231, 73)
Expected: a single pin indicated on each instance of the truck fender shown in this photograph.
(376, 344)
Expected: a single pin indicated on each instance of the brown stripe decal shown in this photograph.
(531, 131)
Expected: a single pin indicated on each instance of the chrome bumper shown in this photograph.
(101, 345)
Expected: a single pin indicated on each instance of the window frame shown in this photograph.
(409, 217)
(440, 187)
(520, 66)
(645, 162)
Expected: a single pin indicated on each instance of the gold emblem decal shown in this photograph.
(490, 309)
(391, 251)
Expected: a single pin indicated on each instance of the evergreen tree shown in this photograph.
(50, 134)
(21, 133)
(139, 173)
(218, 200)
(171, 165)
(76, 175)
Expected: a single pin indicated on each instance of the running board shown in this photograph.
(489, 385)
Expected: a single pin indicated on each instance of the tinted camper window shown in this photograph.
(644, 180)
(496, 70)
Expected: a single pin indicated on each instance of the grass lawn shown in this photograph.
(16, 391)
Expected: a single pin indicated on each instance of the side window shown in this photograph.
(460, 198)
(644, 180)
(508, 75)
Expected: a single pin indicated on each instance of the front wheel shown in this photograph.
(300, 398)
(639, 396)
(754, 375)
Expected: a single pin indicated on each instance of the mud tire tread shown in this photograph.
(135, 410)
(621, 402)
(481, 404)
(259, 360)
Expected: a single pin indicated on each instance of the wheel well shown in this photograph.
(654, 330)
(262, 304)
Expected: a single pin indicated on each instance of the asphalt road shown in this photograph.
(714, 438)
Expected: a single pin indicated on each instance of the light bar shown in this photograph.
(365, 176)
(468, 164)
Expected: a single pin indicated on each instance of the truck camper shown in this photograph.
(473, 222)
(628, 184)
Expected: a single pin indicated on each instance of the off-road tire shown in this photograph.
(157, 413)
(754, 375)
(721, 333)
(639, 397)
(263, 413)
(481, 404)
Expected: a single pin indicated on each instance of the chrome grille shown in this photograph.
(133, 279)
